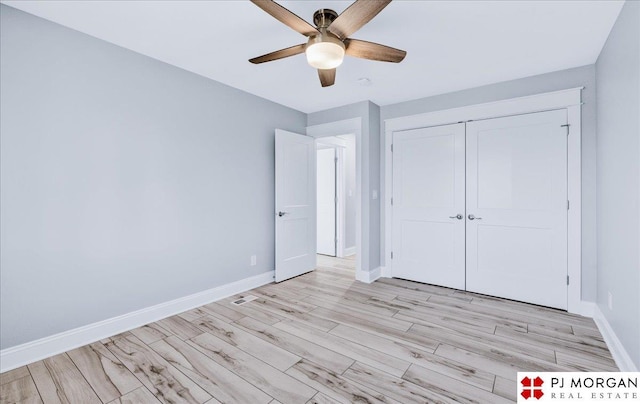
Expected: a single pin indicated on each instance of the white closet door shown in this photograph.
(428, 194)
(517, 208)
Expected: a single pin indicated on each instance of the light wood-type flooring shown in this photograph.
(323, 338)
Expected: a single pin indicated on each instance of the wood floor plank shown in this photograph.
(59, 381)
(545, 313)
(249, 343)
(586, 342)
(196, 313)
(15, 374)
(329, 302)
(180, 327)
(446, 320)
(150, 333)
(346, 292)
(581, 363)
(584, 350)
(394, 303)
(293, 314)
(339, 314)
(374, 289)
(295, 302)
(496, 361)
(322, 399)
(245, 310)
(155, 373)
(334, 385)
(497, 312)
(416, 286)
(355, 351)
(426, 359)
(20, 390)
(223, 311)
(138, 396)
(412, 339)
(292, 293)
(221, 383)
(108, 377)
(482, 342)
(587, 332)
(394, 387)
(278, 385)
(275, 302)
(505, 388)
(301, 347)
(451, 388)
(483, 321)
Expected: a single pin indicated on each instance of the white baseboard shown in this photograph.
(586, 309)
(619, 353)
(368, 276)
(385, 272)
(33, 351)
(349, 251)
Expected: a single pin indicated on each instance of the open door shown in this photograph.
(295, 204)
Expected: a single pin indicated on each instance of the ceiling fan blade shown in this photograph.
(286, 17)
(327, 77)
(355, 16)
(279, 54)
(373, 51)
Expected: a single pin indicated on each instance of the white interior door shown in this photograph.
(428, 205)
(517, 208)
(326, 201)
(295, 204)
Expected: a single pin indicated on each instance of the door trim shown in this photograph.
(570, 100)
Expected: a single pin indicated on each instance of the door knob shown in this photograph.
(471, 217)
(282, 213)
(458, 216)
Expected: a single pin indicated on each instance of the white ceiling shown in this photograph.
(451, 45)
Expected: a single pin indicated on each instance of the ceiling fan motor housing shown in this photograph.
(324, 17)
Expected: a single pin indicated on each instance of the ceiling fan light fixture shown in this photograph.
(325, 52)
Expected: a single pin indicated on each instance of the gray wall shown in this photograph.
(125, 182)
(581, 76)
(370, 176)
(618, 80)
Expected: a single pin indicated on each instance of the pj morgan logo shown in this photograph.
(532, 387)
(579, 387)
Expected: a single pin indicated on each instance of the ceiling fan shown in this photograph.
(328, 41)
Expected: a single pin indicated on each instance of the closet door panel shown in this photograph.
(428, 194)
(516, 224)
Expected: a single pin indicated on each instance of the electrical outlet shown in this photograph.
(610, 301)
(253, 260)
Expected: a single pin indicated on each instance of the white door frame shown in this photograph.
(349, 127)
(339, 145)
(570, 100)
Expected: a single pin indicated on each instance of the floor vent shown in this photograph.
(243, 300)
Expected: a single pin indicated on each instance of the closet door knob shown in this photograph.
(471, 217)
(458, 216)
